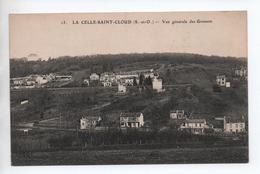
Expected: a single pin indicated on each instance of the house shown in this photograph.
(131, 120)
(30, 82)
(108, 76)
(232, 125)
(242, 72)
(86, 82)
(89, 122)
(177, 114)
(194, 126)
(94, 76)
(157, 84)
(41, 80)
(228, 84)
(18, 81)
(121, 88)
(221, 80)
(107, 84)
(127, 81)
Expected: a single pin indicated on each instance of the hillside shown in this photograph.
(197, 97)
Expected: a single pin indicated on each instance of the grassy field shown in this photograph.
(137, 156)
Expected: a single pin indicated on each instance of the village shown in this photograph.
(142, 79)
(129, 104)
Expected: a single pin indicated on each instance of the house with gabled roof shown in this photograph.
(131, 120)
(194, 126)
(234, 125)
(89, 122)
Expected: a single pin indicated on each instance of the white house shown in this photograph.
(234, 126)
(30, 82)
(177, 114)
(127, 81)
(195, 126)
(157, 84)
(18, 81)
(121, 88)
(242, 72)
(89, 122)
(94, 76)
(131, 120)
(228, 84)
(108, 76)
(221, 80)
(86, 82)
(41, 80)
(107, 84)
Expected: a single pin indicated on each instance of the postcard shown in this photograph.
(128, 88)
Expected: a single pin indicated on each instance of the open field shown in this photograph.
(136, 156)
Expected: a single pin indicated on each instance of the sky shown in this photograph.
(45, 35)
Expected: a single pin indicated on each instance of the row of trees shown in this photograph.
(103, 63)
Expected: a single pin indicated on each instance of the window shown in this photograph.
(236, 125)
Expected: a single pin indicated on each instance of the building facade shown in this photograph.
(94, 76)
(234, 126)
(194, 126)
(157, 84)
(177, 114)
(89, 122)
(221, 80)
(131, 120)
(121, 88)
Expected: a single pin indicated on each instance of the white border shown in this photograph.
(65, 6)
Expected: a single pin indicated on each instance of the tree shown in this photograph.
(148, 81)
(135, 82)
(141, 79)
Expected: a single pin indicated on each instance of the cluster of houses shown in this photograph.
(200, 125)
(192, 125)
(224, 81)
(124, 79)
(126, 120)
(35, 81)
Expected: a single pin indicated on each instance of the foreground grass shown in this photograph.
(133, 156)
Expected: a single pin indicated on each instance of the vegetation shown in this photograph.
(103, 63)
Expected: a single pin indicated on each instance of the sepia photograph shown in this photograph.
(128, 88)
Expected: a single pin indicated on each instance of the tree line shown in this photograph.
(103, 63)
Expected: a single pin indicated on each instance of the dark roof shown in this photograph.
(91, 118)
(130, 114)
(195, 121)
(234, 119)
(177, 110)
